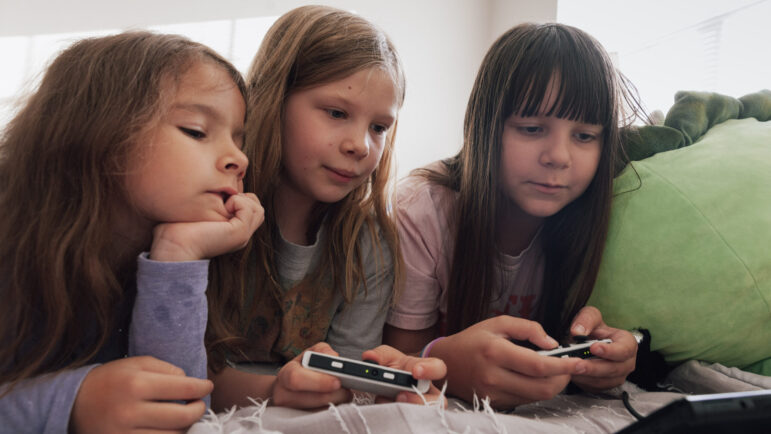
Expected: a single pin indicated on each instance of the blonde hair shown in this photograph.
(307, 47)
(62, 163)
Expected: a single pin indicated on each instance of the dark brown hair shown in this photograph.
(62, 163)
(307, 47)
(514, 76)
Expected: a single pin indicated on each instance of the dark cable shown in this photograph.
(625, 400)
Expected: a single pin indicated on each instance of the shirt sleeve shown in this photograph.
(421, 225)
(358, 326)
(170, 314)
(41, 404)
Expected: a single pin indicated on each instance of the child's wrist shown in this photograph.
(165, 251)
(427, 349)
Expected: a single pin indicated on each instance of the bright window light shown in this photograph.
(27, 56)
(665, 46)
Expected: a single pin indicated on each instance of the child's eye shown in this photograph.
(379, 129)
(586, 137)
(336, 114)
(530, 130)
(193, 133)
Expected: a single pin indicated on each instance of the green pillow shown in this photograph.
(688, 255)
(762, 367)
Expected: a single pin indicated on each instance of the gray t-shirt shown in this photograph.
(358, 326)
(168, 322)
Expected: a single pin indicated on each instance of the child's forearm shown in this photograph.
(170, 314)
(41, 404)
(235, 387)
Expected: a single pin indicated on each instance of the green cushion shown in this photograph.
(762, 367)
(688, 255)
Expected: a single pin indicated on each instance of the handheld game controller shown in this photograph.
(364, 376)
(580, 349)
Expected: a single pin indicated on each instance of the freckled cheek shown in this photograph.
(307, 162)
(298, 158)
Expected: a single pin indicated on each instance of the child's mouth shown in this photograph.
(224, 194)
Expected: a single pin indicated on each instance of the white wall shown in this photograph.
(441, 44)
(505, 14)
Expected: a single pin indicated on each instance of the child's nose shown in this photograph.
(557, 152)
(234, 161)
(356, 144)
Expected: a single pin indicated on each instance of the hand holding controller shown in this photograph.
(364, 376)
(580, 349)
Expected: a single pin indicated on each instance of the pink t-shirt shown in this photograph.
(424, 212)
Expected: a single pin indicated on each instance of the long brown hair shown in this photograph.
(514, 76)
(62, 164)
(307, 47)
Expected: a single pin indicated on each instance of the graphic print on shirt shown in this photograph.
(518, 305)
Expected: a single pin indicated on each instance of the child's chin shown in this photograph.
(543, 209)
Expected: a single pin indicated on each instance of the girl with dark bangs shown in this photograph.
(119, 177)
(504, 240)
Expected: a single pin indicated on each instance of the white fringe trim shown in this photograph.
(234, 422)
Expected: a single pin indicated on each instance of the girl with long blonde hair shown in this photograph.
(325, 89)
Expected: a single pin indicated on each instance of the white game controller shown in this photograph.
(364, 376)
(574, 350)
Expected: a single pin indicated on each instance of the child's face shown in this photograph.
(193, 160)
(334, 135)
(547, 162)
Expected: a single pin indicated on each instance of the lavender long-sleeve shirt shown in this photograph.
(168, 321)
